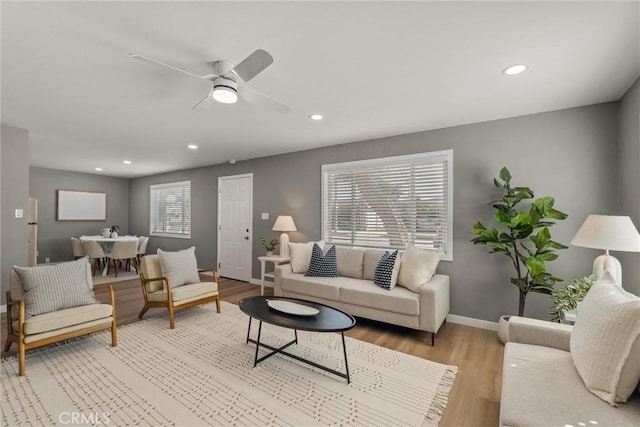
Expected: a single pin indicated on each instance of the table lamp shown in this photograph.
(284, 223)
(608, 232)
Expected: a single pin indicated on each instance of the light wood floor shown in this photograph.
(475, 397)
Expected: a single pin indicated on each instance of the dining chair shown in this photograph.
(142, 246)
(77, 248)
(123, 251)
(94, 251)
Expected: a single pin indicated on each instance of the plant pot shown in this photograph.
(269, 253)
(503, 329)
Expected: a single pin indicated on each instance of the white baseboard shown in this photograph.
(470, 321)
(3, 308)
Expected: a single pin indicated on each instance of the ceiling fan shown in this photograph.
(228, 80)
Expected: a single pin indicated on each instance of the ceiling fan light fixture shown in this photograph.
(225, 90)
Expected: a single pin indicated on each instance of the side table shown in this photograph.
(276, 260)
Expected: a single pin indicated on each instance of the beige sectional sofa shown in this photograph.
(354, 292)
(541, 386)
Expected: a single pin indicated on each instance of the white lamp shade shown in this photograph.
(608, 232)
(284, 223)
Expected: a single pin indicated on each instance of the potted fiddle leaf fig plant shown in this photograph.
(522, 234)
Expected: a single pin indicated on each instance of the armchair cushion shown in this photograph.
(64, 318)
(54, 287)
(180, 267)
(605, 331)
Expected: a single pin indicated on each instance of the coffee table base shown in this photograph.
(276, 350)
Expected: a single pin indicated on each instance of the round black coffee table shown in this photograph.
(328, 319)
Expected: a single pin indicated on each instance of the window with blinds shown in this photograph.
(171, 210)
(390, 203)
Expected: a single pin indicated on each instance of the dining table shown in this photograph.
(107, 243)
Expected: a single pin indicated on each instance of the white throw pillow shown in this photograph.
(300, 254)
(417, 268)
(181, 267)
(606, 328)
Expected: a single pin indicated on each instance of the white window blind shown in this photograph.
(392, 202)
(171, 210)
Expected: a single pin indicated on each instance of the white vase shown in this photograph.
(269, 253)
(114, 234)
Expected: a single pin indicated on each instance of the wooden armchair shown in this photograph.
(159, 292)
(31, 331)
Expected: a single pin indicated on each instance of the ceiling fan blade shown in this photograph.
(254, 97)
(253, 64)
(205, 102)
(171, 67)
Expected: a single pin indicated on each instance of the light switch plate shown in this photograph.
(19, 213)
(265, 215)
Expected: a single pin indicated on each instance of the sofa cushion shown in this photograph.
(417, 268)
(369, 262)
(350, 261)
(322, 265)
(300, 254)
(64, 318)
(319, 287)
(540, 387)
(49, 288)
(366, 294)
(180, 267)
(386, 273)
(605, 330)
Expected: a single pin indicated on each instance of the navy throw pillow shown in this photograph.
(323, 266)
(384, 270)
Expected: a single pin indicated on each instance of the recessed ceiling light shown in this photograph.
(126, 162)
(192, 147)
(514, 69)
(99, 169)
(316, 117)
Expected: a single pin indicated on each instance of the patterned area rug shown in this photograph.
(202, 373)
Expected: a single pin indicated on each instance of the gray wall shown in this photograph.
(14, 185)
(567, 154)
(53, 235)
(629, 170)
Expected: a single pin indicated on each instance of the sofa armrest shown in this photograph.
(539, 332)
(434, 303)
(279, 272)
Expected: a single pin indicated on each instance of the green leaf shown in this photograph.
(505, 175)
(520, 283)
(521, 218)
(535, 265)
(556, 245)
(549, 256)
(556, 214)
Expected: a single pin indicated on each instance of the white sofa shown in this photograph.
(541, 386)
(354, 292)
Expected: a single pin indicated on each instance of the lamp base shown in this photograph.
(607, 263)
(284, 245)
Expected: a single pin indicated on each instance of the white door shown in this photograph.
(235, 196)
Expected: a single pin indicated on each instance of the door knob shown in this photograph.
(246, 237)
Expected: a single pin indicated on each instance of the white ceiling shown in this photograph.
(373, 69)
